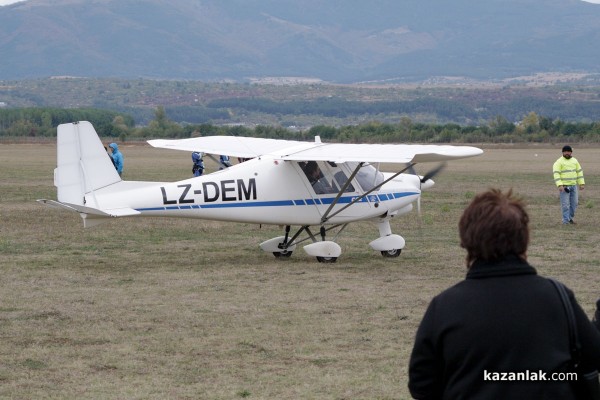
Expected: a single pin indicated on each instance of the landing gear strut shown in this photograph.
(325, 251)
(285, 253)
(388, 244)
(281, 246)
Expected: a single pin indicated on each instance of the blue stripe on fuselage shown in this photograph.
(286, 203)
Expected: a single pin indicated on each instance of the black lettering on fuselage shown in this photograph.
(227, 190)
(164, 195)
(208, 197)
(182, 199)
(247, 191)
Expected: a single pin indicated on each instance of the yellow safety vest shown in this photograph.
(567, 172)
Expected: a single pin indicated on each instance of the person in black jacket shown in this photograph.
(597, 315)
(502, 333)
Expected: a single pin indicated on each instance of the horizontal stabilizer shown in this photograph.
(115, 212)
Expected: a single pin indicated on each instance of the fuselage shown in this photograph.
(267, 190)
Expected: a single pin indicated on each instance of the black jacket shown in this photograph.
(503, 318)
(597, 315)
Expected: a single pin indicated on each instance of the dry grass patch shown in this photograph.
(169, 308)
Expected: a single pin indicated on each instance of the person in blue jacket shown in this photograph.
(198, 166)
(117, 157)
(225, 162)
(109, 156)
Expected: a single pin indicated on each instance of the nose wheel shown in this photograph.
(391, 253)
(388, 244)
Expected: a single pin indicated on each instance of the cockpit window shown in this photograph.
(325, 177)
(368, 176)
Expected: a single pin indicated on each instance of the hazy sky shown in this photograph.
(5, 2)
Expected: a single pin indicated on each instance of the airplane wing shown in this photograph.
(303, 151)
(385, 153)
(235, 146)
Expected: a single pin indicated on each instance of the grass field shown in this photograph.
(181, 309)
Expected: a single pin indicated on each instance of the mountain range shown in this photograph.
(341, 41)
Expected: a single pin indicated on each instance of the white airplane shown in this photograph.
(312, 185)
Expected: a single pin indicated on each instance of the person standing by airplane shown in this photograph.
(117, 157)
(502, 319)
(198, 167)
(567, 175)
(109, 156)
(224, 162)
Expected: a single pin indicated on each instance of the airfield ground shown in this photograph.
(181, 309)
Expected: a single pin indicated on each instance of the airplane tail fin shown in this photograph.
(83, 166)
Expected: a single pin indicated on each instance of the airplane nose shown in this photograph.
(427, 184)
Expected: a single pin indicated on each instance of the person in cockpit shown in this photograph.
(316, 178)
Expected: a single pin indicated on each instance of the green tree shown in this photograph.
(120, 128)
(160, 118)
(325, 132)
(406, 128)
(531, 123)
(161, 126)
(501, 126)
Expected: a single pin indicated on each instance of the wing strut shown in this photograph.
(326, 217)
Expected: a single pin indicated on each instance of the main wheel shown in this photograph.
(282, 254)
(391, 253)
(326, 259)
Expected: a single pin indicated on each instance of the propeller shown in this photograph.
(433, 172)
(430, 174)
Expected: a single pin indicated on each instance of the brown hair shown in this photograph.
(494, 226)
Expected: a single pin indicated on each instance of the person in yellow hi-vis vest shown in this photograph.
(568, 175)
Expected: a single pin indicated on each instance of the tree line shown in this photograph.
(457, 109)
(42, 122)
